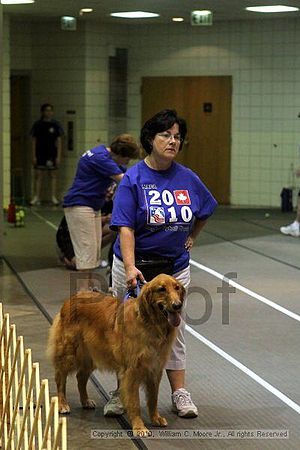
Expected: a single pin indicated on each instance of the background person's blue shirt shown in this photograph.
(160, 206)
(92, 179)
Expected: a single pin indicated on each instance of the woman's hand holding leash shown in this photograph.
(132, 274)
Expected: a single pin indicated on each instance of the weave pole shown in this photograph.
(29, 419)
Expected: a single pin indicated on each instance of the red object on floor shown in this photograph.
(11, 212)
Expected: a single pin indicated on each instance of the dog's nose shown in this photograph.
(176, 306)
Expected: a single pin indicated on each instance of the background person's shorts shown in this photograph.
(85, 230)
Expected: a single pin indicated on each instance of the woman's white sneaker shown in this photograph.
(114, 406)
(183, 404)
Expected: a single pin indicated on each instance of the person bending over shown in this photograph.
(83, 202)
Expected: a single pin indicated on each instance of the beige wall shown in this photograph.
(70, 69)
(263, 59)
(6, 111)
(1, 130)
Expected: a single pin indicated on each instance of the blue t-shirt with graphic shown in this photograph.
(92, 179)
(161, 207)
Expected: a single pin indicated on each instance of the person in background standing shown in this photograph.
(46, 136)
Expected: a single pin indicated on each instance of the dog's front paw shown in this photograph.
(64, 408)
(89, 404)
(159, 421)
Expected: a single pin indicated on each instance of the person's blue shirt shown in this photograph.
(92, 179)
(161, 207)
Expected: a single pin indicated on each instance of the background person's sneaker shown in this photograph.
(183, 404)
(103, 264)
(35, 201)
(292, 229)
(55, 202)
(114, 405)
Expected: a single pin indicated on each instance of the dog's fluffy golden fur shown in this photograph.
(132, 339)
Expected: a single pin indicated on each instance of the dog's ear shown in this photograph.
(147, 293)
(145, 299)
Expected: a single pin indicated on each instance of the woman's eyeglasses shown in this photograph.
(168, 136)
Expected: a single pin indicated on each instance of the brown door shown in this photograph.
(205, 103)
(20, 161)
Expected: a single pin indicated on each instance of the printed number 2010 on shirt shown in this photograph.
(168, 207)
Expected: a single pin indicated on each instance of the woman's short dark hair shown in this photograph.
(126, 146)
(162, 121)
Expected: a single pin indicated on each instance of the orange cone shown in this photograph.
(11, 212)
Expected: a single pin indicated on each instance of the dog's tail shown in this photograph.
(52, 338)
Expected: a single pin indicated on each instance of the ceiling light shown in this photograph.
(135, 15)
(177, 19)
(272, 9)
(16, 2)
(86, 10)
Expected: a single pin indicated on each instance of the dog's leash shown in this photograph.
(134, 292)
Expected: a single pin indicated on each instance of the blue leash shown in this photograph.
(133, 292)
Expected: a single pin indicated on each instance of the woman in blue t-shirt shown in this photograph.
(159, 209)
(97, 169)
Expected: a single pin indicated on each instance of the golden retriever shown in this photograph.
(131, 338)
